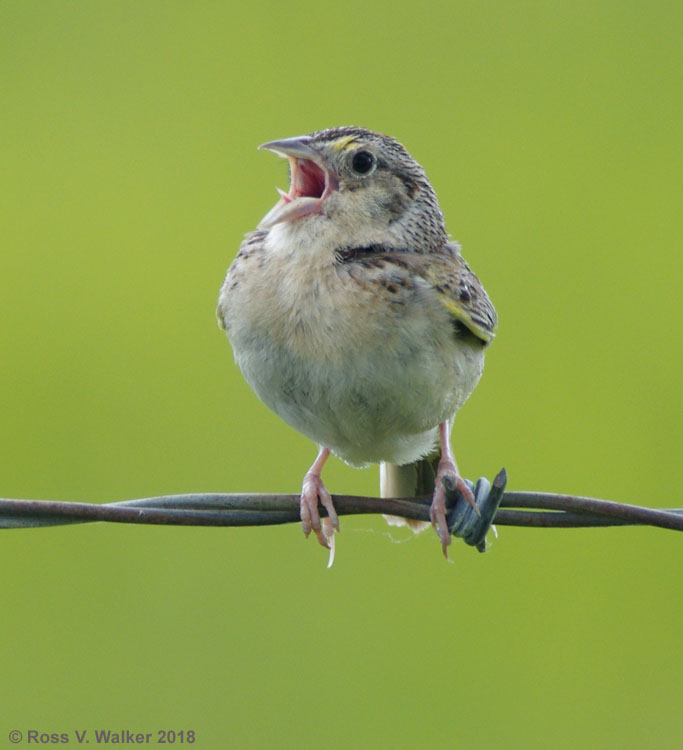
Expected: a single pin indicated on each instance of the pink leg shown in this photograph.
(313, 490)
(447, 478)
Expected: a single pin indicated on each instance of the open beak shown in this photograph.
(310, 181)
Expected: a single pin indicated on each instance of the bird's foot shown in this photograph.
(312, 491)
(447, 480)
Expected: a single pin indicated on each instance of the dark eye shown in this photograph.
(363, 162)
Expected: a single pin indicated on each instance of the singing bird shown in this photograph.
(355, 318)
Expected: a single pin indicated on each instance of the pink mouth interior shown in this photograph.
(308, 180)
(310, 185)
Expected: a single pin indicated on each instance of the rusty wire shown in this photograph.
(530, 509)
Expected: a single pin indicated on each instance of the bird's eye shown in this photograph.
(363, 162)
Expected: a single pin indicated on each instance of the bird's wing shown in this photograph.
(461, 292)
(458, 289)
(456, 285)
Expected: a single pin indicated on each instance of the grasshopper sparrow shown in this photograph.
(354, 317)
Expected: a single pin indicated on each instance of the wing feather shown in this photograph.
(456, 285)
(463, 295)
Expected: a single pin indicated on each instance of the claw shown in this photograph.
(447, 479)
(313, 491)
(329, 530)
(467, 493)
(437, 515)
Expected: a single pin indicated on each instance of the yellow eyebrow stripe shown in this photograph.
(342, 143)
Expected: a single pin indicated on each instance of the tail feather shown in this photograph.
(410, 480)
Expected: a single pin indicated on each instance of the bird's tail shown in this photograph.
(410, 480)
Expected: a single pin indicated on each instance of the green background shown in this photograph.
(552, 134)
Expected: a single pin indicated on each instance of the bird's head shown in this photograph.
(366, 184)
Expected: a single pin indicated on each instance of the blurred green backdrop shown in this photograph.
(552, 133)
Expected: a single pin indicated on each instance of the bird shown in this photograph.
(354, 317)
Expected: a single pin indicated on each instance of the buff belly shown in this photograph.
(366, 407)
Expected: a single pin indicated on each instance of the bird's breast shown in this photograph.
(359, 357)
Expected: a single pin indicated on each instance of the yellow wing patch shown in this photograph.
(464, 315)
(461, 293)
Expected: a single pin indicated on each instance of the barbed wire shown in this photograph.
(494, 506)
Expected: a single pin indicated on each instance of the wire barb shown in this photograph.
(472, 526)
